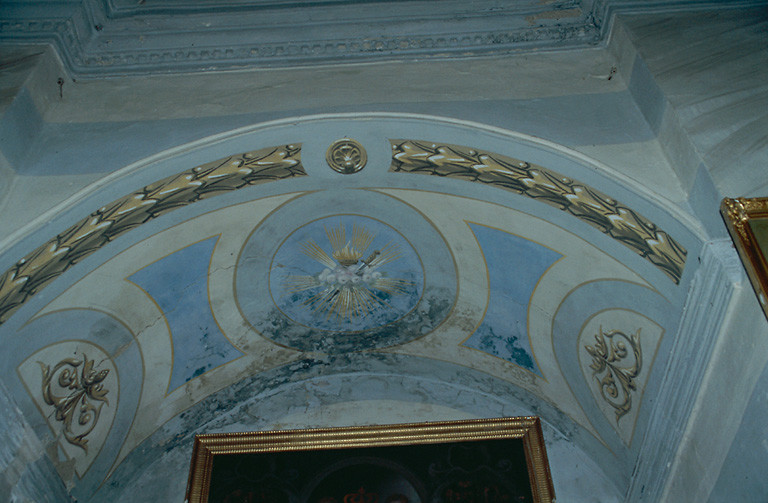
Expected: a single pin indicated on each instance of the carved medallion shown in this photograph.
(346, 156)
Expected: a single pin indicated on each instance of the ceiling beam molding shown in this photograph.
(105, 38)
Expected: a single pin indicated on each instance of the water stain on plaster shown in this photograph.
(515, 267)
(178, 284)
(434, 307)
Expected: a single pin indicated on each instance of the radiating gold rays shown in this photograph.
(361, 238)
(313, 250)
(348, 285)
(393, 286)
(296, 284)
(344, 303)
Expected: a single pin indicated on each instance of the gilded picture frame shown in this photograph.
(747, 222)
(402, 463)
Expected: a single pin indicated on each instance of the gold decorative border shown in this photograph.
(582, 201)
(35, 271)
(527, 428)
(738, 215)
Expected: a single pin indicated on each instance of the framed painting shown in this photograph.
(747, 222)
(485, 461)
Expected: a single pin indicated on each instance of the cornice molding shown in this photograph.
(345, 50)
(102, 38)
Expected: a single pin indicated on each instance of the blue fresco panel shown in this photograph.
(515, 266)
(178, 284)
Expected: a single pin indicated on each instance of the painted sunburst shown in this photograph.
(349, 286)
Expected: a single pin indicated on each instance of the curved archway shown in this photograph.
(261, 283)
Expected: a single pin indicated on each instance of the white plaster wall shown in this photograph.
(26, 473)
(738, 359)
(96, 127)
(711, 68)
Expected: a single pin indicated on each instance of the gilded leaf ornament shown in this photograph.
(33, 272)
(614, 369)
(75, 389)
(582, 201)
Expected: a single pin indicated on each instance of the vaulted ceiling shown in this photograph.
(501, 209)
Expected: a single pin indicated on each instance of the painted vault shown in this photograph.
(198, 297)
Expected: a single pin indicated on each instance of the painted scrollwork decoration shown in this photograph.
(75, 389)
(614, 369)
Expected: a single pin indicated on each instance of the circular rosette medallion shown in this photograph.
(346, 273)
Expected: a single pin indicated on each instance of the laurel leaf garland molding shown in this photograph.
(580, 200)
(49, 261)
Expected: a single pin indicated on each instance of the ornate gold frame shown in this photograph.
(526, 428)
(747, 221)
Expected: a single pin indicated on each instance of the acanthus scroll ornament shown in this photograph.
(75, 389)
(614, 369)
